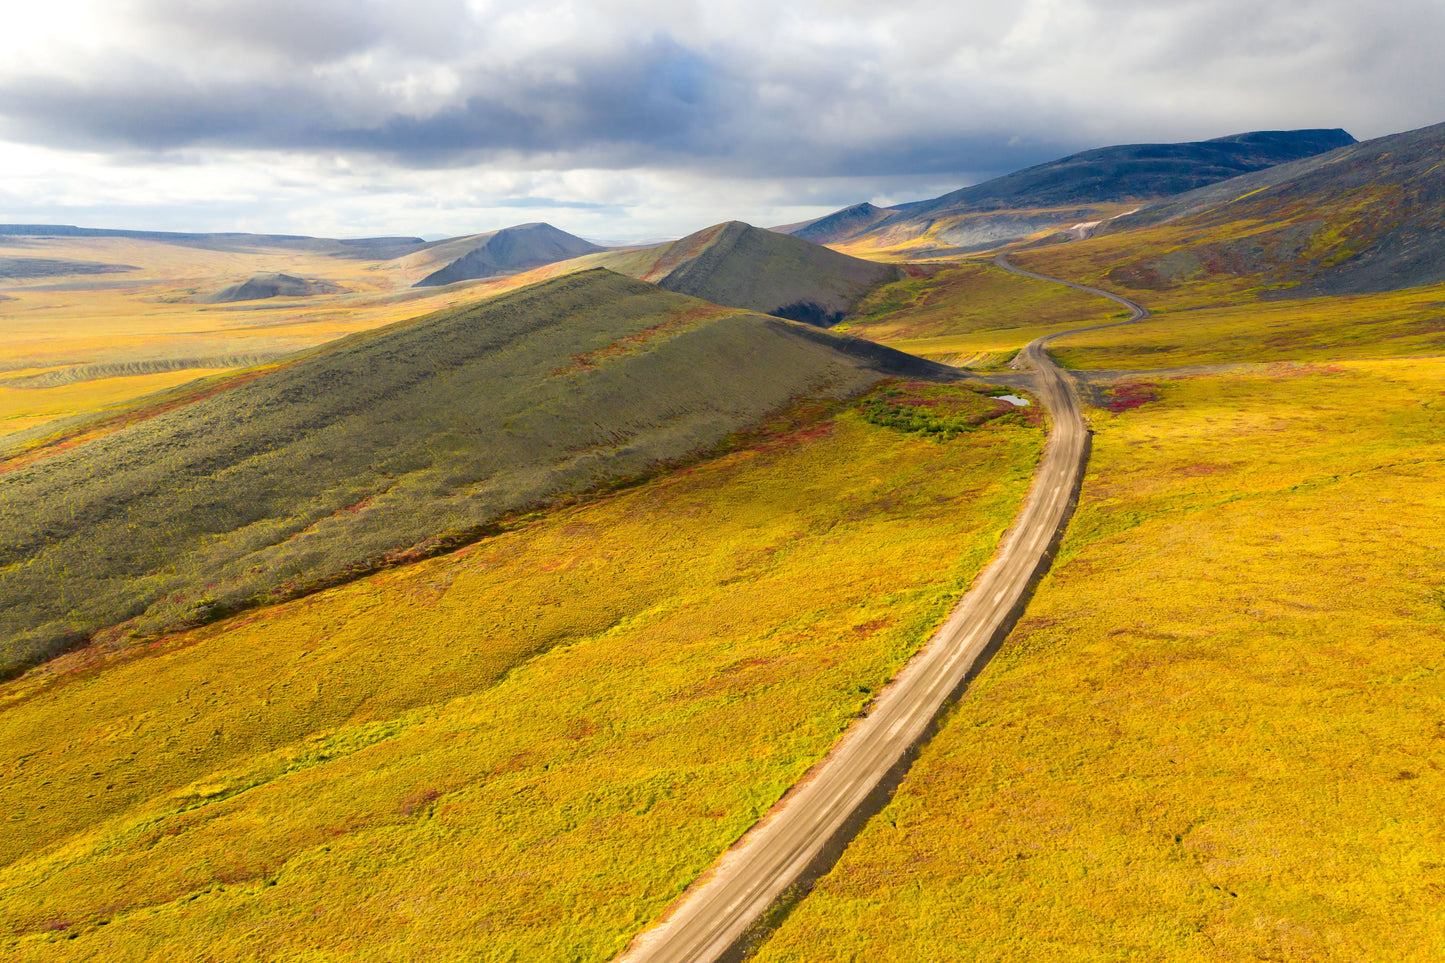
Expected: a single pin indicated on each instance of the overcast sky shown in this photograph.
(629, 119)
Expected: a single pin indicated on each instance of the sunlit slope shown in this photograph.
(1363, 219)
(1217, 732)
(975, 314)
(519, 751)
(70, 336)
(387, 444)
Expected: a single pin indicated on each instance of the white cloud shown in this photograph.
(657, 111)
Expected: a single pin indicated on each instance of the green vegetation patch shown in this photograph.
(935, 411)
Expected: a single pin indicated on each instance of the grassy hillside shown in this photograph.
(974, 314)
(522, 750)
(508, 251)
(387, 445)
(1318, 329)
(1216, 734)
(747, 267)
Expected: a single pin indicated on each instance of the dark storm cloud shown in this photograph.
(621, 107)
(754, 89)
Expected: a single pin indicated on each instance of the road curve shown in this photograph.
(804, 832)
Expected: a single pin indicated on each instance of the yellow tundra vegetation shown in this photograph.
(1310, 329)
(1206, 313)
(116, 337)
(971, 314)
(522, 751)
(1219, 731)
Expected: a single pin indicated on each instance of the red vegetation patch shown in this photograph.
(1295, 369)
(417, 801)
(56, 445)
(802, 422)
(635, 342)
(1140, 277)
(1131, 394)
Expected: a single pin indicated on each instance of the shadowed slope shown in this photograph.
(387, 444)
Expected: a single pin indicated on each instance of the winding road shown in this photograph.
(804, 833)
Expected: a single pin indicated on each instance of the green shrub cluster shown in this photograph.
(939, 419)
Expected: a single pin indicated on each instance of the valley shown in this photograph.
(509, 597)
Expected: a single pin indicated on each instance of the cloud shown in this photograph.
(843, 91)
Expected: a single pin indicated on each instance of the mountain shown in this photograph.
(841, 225)
(362, 248)
(507, 251)
(743, 266)
(1135, 172)
(1080, 188)
(259, 287)
(385, 446)
(1366, 218)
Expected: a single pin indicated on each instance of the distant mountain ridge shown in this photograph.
(1134, 172)
(361, 248)
(1070, 189)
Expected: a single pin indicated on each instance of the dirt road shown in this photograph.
(805, 831)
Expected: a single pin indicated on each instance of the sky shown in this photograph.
(636, 119)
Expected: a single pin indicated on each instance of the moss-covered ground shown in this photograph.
(1219, 731)
(520, 751)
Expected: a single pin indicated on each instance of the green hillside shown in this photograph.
(508, 251)
(747, 267)
(389, 445)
